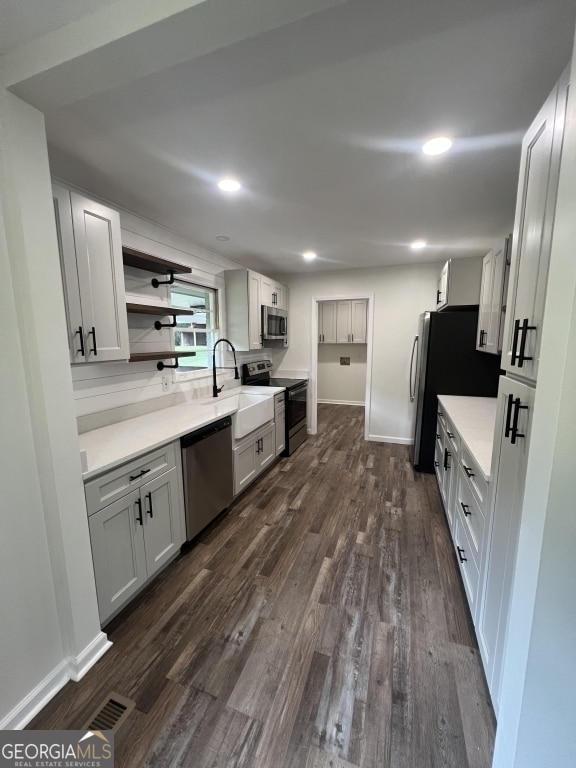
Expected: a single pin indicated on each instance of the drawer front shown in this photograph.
(279, 400)
(472, 515)
(128, 477)
(452, 439)
(474, 476)
(467, 564)
(438, 459)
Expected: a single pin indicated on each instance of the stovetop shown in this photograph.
(288, 383)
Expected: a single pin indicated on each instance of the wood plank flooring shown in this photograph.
(321, 621)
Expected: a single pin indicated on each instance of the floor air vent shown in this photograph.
(110, 714)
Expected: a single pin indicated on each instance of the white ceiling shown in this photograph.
(322, 120)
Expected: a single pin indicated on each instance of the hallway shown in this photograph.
(320, 622)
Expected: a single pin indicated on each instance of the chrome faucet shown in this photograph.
(215, 389)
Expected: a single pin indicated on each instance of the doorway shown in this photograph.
(347, 309)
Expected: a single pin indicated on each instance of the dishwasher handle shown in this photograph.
(204, 432)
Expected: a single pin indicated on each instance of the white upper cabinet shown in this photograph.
(459, 283)
(342, 322)
(93, 277)
(272, 293)
(243, 309)
(491, 314)
(535, 206)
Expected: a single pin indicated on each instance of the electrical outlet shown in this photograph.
(165, 383)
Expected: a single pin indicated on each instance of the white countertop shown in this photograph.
(110, 446)
(475, 419)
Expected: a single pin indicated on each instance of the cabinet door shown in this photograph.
(496, 307)
(535, 206)
(117, 538)
(100, 279)
(65, 232)
(265, 447)
(327, 317)
(162, 510)
(279, 296)
(484, 311)
(280, 421)
(244, 465)
(442, 288)
(266, 291)
(511, 441)
(344, 322)
(254, 311)
(358, 321)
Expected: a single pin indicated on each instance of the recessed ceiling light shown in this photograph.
(309, 255)
(437, 145)
(223, 238)
(417, 245)
(229, 185)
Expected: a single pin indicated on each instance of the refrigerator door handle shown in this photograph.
(412, 378)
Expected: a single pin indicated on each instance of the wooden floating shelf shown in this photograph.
(140, 357)
(140, 260)
(150, 309)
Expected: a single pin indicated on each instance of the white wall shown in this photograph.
(50, 626)
(401, 295)
(537, 723)
(342, 383)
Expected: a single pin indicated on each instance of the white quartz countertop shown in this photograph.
(115, 444)
(475, 419)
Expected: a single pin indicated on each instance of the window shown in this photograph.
(197, 332)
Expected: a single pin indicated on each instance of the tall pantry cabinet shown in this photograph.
(532, 239)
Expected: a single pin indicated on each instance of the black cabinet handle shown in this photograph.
(438, 295)
(517, 408)
(508, 415)
(522, 357)
(139, 515)
(437, 436)
(150, 510)
(481, 342)
(92, 333)
(465, 509)
(135, 477)
(80, 333)
(446, 455)
(515, 356)
(436, 463)
(461, 555)
(468, 470)
(440, 413)
(450, 435)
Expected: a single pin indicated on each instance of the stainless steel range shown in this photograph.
(296, 394)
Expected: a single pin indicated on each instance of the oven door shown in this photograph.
(274, 323)
(296, 408)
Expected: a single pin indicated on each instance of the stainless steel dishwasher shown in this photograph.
(208, 476)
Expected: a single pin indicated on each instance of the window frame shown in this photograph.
(181, 373)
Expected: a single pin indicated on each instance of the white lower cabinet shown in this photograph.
(513, 421)
(252, 455)
(133, 537)
(280, 421)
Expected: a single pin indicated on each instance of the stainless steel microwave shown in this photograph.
(274, 326)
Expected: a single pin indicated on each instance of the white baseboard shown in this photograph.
(341, 402)
(79, 665)
(388, 439)
(73, 668)
(38, 697)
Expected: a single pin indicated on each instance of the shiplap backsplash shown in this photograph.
(108, 392)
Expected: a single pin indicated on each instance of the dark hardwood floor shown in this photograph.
(320, 622)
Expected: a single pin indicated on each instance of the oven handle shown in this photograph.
(297, 390)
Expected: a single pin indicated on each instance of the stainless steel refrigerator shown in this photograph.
(445, 362)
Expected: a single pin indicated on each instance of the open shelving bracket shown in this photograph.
(160, 365)
(157, 283)
(158, 325)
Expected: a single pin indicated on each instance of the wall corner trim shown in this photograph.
(79, 665)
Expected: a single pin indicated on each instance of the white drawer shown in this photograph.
(475, 477)
(472, 515)
(468, 566)
(279, 401)
(452, 438)
(113, 485)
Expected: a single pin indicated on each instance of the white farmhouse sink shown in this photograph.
(253, 411)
